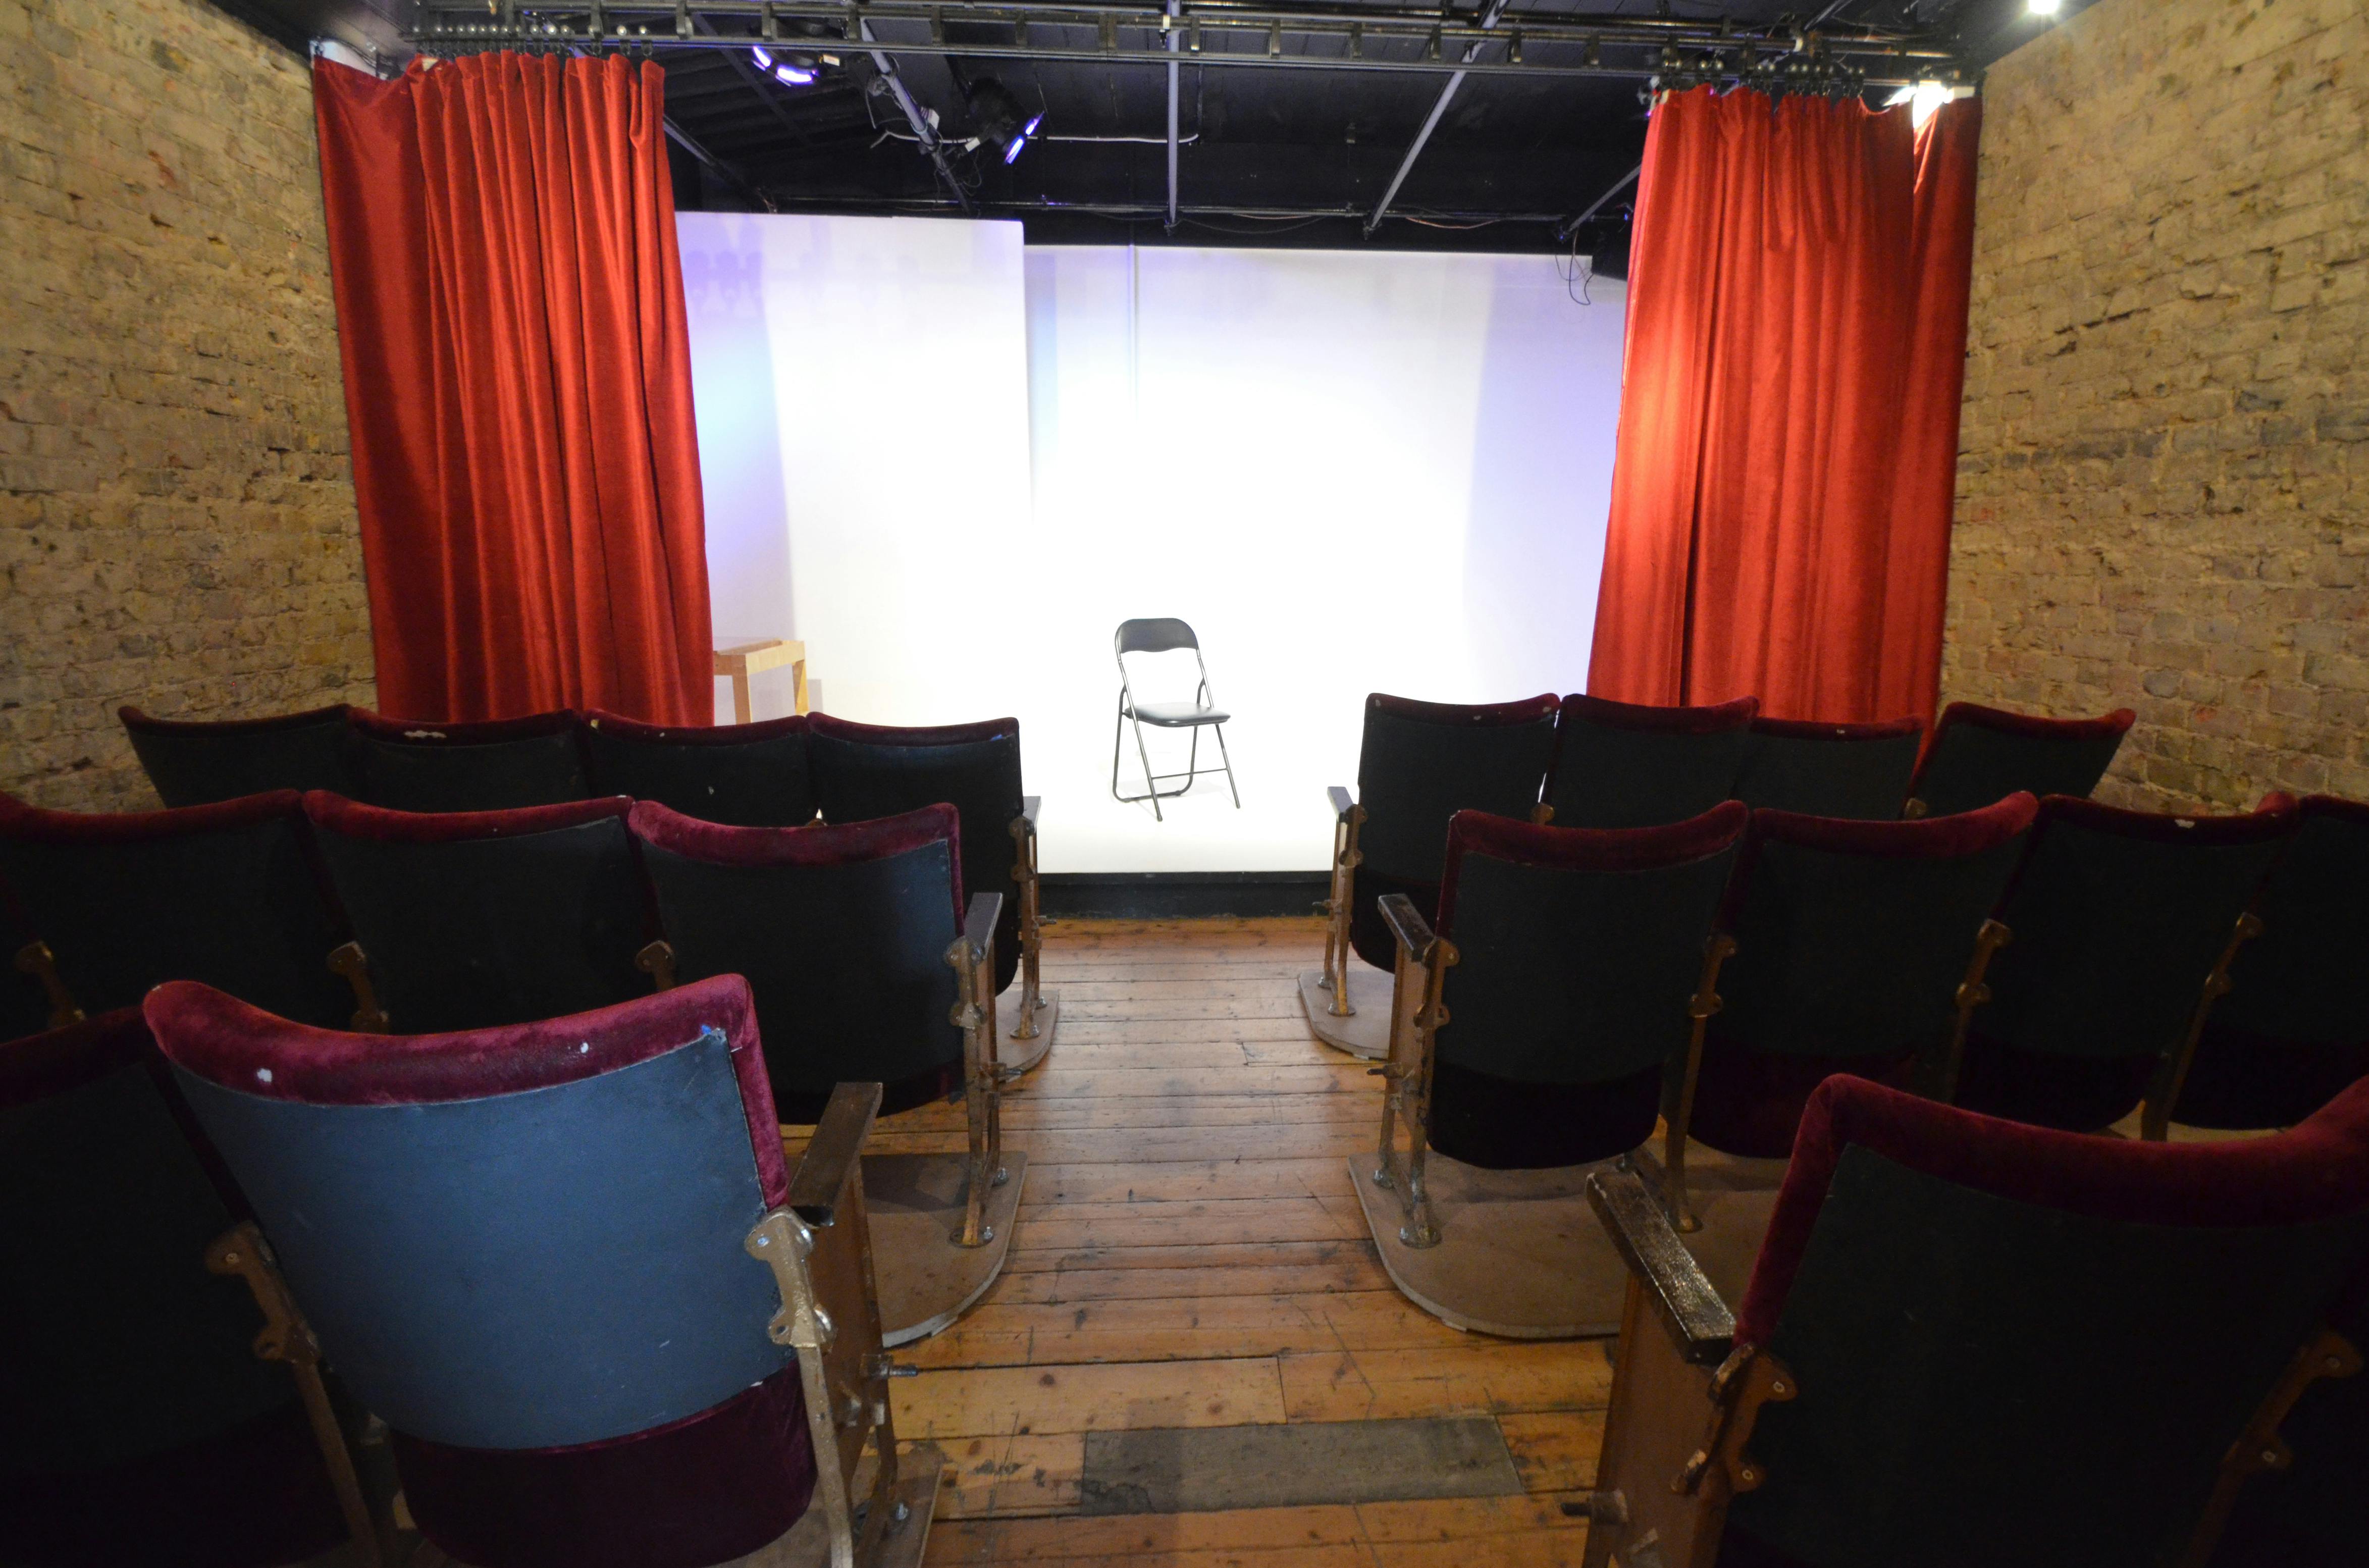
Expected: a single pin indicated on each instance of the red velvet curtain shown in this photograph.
(518, 387)
(1782, 487)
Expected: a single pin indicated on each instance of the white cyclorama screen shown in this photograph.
(952, 465)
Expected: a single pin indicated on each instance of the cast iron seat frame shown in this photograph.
(1164, 635)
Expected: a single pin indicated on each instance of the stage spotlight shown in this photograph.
(2044, 7)
(995, 115)
(793, 72)
(1926, 96)
(795, 75)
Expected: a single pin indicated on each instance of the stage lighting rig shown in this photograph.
(997, 121)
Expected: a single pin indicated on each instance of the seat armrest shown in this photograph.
(1342, 803)
(1414, 933)
(1700, 1325)
(831, 1153)
(1029, 806)
(978, 928)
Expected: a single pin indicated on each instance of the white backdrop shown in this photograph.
(953, 466)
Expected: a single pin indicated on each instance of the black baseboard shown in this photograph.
(1181, 895)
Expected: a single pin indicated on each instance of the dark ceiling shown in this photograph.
(1269, 150)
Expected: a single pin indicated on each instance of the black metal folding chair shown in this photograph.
(1163, 636)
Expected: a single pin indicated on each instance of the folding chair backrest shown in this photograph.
(841, 930)
(1979, 754)
(2294, 1030)
(748, 775)
(197, 762)
(1850, 941)
(476, 919)
(1419, 765)
(1858, 770)
(494, 766)
(1577, 951)
(1623, 765)
(2117, 917)
(863, 772)
(1974, 1312)
(136, 1423)
(519, 1241)
(229, 894)
(1156, 635)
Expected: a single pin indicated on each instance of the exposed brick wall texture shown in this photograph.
(2163, 486)
(177, 516)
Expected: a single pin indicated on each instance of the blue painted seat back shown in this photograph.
(1979, 755)
(1635, 766)
(1858, 770)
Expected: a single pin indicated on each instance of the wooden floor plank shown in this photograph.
(995, 1401)
(1166, 1328)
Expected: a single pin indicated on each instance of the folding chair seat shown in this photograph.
(229, 894)
(2293, 1032)
(1166, 634)
(863, 772)
(470, 919)
(1418, 764)
(1856, 770)
(1843, 947)
(2114, 939)
(1626, 765)
(1979, 754)
(492, 766)
(1532, 1033)
(137, 1422)
(197, 762)
(567, 1266)
(1968, 1343)
(867, 970)
(748, 775)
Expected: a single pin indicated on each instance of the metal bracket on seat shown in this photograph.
(36, 959)
(1032, 919)
(972, 957)
(1416, 1014)
(2155, 1124)
(1700, 1008)
(1347, 819)
(347, 960)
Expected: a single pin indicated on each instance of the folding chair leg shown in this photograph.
(1228, 762)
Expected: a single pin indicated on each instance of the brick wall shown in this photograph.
(177, 519)
(2163, 487)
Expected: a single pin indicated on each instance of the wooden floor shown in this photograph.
(1189, 1253)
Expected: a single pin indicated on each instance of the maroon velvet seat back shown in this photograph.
(2117, 919)
(525, 1250)
(137, 1424)
(229, 894)
(2015, 1345)
(1850, 941)
(1978, 754)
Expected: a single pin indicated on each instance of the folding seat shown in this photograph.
(863, 772)
(138, 1422)
(1532, 1032)
(567, 1266)
(470, 919)
(1968, 1343)
(200, 761)
(493, 766)
(1978, 754)
(866, 969)
(2294, 1030)
(747, 775)
(1843, 947)
(1419, 765)
(1857, 770)
(1625, 765)
(229, 894)
(2110, 947)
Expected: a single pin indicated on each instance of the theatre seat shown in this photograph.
(1418, 764)
(1626, 765)
(1857, 770)
(749, 775)
(2113, 941)
(470, 919)
(1531, 1034)
(565, 1263)
(137, 1423)
(407, 765)
(197, 762)
(1978, 754)
(867, 968)
(1968, 1343)
(229, 894)
(2294, 1030)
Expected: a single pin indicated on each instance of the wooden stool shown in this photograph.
(741, 661)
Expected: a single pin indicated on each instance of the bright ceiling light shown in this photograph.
(1926, 98)
(795, 75)
(2043, 7)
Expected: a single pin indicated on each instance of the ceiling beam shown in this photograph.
(1489, 19)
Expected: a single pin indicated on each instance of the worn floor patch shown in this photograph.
(1202, 1470)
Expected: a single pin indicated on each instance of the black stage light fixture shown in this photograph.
(996, 118)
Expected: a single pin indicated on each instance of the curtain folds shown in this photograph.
(1787, 459)
(518, 387)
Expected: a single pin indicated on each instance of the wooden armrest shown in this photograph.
(1342, 804)
(831, 1153)
(978, 930)
(1700, 1325)
(1029, 806)
(1414, 933)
